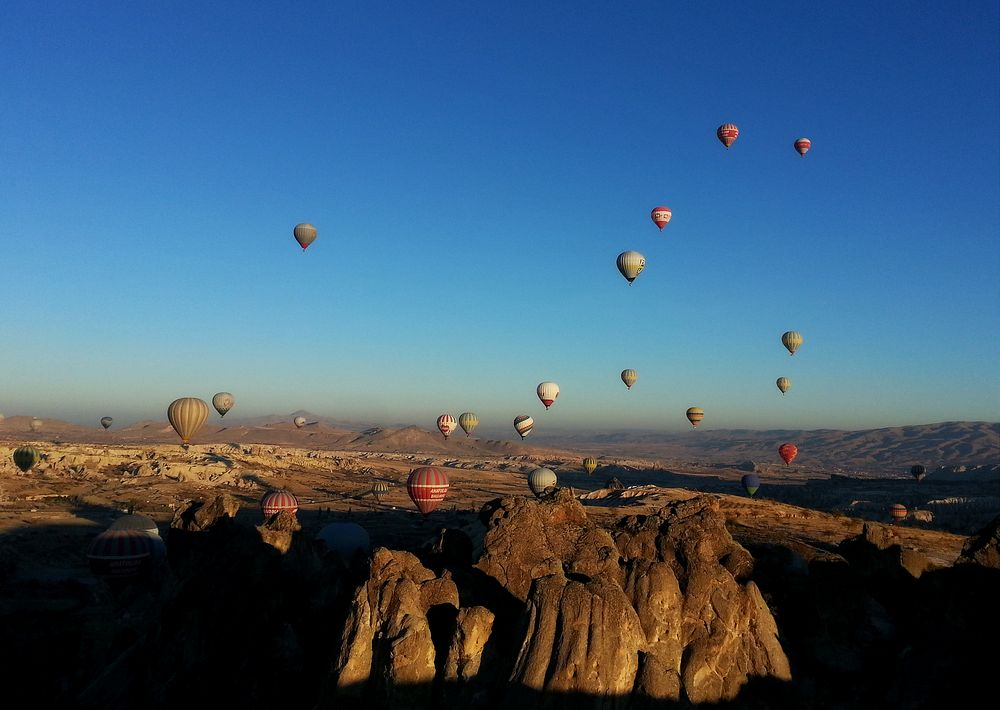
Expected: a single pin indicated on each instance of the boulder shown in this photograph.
(983, 548)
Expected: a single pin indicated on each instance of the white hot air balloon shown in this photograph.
(299, 422)
(186, 416)
(630, 264)
(547, 392)
(223, 402)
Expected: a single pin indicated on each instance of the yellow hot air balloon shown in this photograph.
(791, 340)
(468, 421)
(630, 264)
(784, 384)
(590, 465)
(695, 415)
(186, 416)
(629, 377)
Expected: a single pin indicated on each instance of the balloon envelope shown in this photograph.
(186, 416)
(629, 377)
(36, 424)
(897, 511)
(223, 402)
(25, 457)
(299, 422)
(547, 392)
(136, 521)
(918, 472)
(802, 145)
(523, 424)
(427, 487)
(791, 340)
(275, 501)
(784, 384)
(751, 482)
(541, 479)
(661, 216)
(380, 489)
(727, 133)
(630, 264)
(788, 452)
(122, 554)
(468, 421)
(590, 465)
(446, 424)
(695, 415)
(305, 234)
(345, 540)
(106, 422)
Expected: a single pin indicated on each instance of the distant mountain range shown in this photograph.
(892, 449)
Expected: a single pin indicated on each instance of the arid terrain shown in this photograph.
(812, 512)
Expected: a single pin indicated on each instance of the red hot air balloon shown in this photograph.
(788, 452)
(446, 424)
(276, 501)
(660, 216)
(802, 145)
(427, 487)
(728, 133)
(122, 554)
(897, 511)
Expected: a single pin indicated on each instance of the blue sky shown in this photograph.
(474, 170)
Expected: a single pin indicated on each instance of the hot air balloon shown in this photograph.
(802, 145)
(784, 384)
(468, 421)
(897, 511)
(695, 415)
(791, 340)
(25, 457)
(345, 540)
(305, 234)
(727, 133)
(548, 392)
(630, 263)
(36, 424)
(299, 422)
(751, 482)
(629, 377)
(918, 472)
(186, 416)
(223, 402)
(275, 501)
(523, 424)
(590, 465)
(380, 489)
(427, 487)
(446, 424)
(661, 216)
(136, 521)
(788, 452)
(106, 422)
(540, 480)
(123, 554)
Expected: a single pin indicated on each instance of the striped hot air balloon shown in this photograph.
(792, 340)
(446, 424)
(223, 402)
(468, 421)
(918, 472)
(630, 264)
(751, 482)
(629, 377)
(784, 384)
(590, 465)
(274, 502)
(661, 216)
(427, 487)
(186, 416)
(788, 452)
(695, 415)
(523, 424)
(540, 480)
(897, 511)
(305, 234)
(802, 145)
(727, 133)
(25, 457)
(380, 489)
(548, 392)
(122, 554)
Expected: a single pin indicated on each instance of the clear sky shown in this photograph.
(474, 169)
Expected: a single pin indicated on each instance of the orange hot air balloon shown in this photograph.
(728, 133)
(897, 511)
(427, 487)
(788, 452)
(802, 145)
(695, 415)
(660, 216)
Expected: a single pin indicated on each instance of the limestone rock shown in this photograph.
(195, 516)
(983, 548)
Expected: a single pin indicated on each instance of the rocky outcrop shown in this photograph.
(983, 548)
(196, 516)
